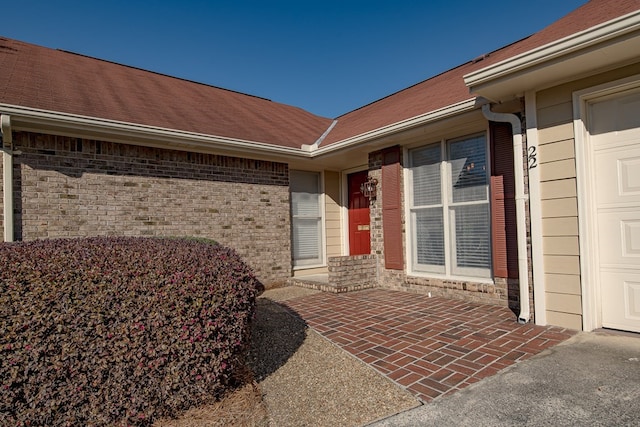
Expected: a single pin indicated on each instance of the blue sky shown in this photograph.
(328, 56)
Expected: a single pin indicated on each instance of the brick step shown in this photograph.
(320, 282)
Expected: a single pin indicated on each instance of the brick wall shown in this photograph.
(70, 187)
(487, 293)
(352, 271)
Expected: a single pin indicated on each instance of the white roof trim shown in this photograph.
(407, 124)
(606, 31)
(25, 118)
(31, 119)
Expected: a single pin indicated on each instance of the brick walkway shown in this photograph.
(430, 346)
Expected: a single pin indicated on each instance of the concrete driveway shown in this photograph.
(591, 379)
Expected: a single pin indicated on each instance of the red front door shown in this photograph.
(359, 222)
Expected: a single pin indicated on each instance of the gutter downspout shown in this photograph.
(521, 197)
(7, 176)
(314, 147)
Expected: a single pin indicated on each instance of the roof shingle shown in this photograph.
(448, 88)
(53, 80)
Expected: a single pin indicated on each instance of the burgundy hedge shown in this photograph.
(118, 331)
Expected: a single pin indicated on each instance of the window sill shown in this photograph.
(436, 276)
(309, 267)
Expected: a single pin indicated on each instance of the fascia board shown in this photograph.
(601, 33)
(30, 119)
(433, 116)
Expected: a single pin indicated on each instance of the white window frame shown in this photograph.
(321, 260)
(479, 275)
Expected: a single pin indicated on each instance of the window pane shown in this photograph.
(305, 193)
(472, 238)
(305, 204)
(306, 221)
(468, 170)
(463, 248)
(425, 168)
(306, 240)
(429, 236)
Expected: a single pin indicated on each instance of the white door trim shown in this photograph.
(587, 228)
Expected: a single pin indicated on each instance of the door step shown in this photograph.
(320, 282)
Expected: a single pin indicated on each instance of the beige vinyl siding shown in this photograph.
(558, 151)
(562, 264)
(561, 245)
(559, 208)
(559, 204)
(558, 169)
(559, 189)
(560, 226)
(559, 198)
(566, 320)
(562, 283)
(564, 303)
(333, 225)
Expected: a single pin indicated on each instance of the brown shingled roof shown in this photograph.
(438, 92)
(448, 88)
(589, 15)
(54, 80)
(47, 79)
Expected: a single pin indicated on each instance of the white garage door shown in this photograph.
(615, 141)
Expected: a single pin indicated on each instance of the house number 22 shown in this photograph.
(532, 157)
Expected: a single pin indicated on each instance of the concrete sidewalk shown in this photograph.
(591, 379)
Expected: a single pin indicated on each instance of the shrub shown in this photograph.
(118, 331)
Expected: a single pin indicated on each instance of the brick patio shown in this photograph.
(430, 346)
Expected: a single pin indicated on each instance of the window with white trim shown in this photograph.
(306, 218)
(449, 208)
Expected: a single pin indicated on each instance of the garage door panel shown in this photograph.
(624, 138)
(619, 238)
(616, 114)
(621, 287)
(618, 174)
(629, 176)
(631, 239)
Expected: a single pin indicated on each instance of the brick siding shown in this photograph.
(70, 187)
(355, 270)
